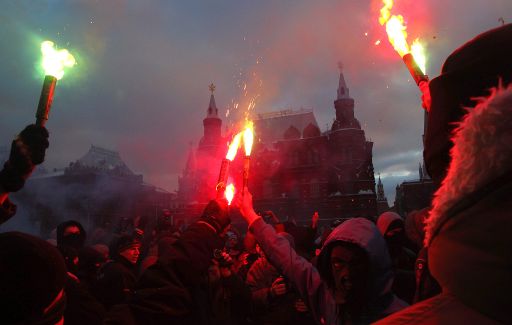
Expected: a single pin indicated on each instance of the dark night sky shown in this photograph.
(141, 83)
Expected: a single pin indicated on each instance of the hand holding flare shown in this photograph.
(413, 56)
(248, 142)
(224, 167)
(54, 62)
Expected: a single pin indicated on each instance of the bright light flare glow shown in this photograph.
(54, 61)
(230, 193)
(397, 35)
(233, 147)
(418, 53)
(248, 138)
(385, 12)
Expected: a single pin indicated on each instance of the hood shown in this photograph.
(365, 234)
(415, 226)
(468, 229)
(60, 233)
(386, 219)
(486, 131)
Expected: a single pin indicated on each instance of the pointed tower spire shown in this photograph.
(380, 191)
(212, 127)
(343, 91)
(212, 108)
(344, 106)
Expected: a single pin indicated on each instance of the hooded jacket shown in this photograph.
(468, 230)
(308, 282)
(75, 241)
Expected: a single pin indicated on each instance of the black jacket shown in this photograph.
(165, 293)
(116, 282)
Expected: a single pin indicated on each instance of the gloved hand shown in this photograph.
(216, 214)
(36, 139)
(27, 150)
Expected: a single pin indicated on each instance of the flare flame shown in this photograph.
(54, 61)
(233, 147)
(230, 193)
(397, 35)
(248, 138)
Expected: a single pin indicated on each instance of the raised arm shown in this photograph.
(301, 273)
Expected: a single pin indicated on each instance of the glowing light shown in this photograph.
(377, 42)
(397, 35)
(418, 52)
(54, 61)
(248, 138)
(385, 12)
(233, 147)
(230, 193)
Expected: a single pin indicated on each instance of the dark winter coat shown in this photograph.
(306, 278)
(116, 282)
(81, 307)
(229, 301)
(268, 309)
(166, 292)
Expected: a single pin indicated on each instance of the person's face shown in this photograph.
(131, 254)
(71, 230)
(341, 257)
(232, 241)
(395, 236)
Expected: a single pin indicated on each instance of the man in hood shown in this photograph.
(352, 283)
(71, 233)
(468, 230)
(392, 228)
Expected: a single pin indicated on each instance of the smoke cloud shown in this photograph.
(141, 83)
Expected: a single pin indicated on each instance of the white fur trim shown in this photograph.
(482, 151)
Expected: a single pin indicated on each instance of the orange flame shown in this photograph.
(248, 138)
(233, 147)
(230, 193)
(397, 35)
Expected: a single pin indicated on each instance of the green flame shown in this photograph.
(54, 61)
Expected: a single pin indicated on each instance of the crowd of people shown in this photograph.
(447, 264)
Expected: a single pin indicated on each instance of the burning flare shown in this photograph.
(233, 147)
(54, 61)
(248, 138)
(230, 193)
(397, 34)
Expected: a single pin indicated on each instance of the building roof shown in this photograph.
(102, 158)
(270, 127)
